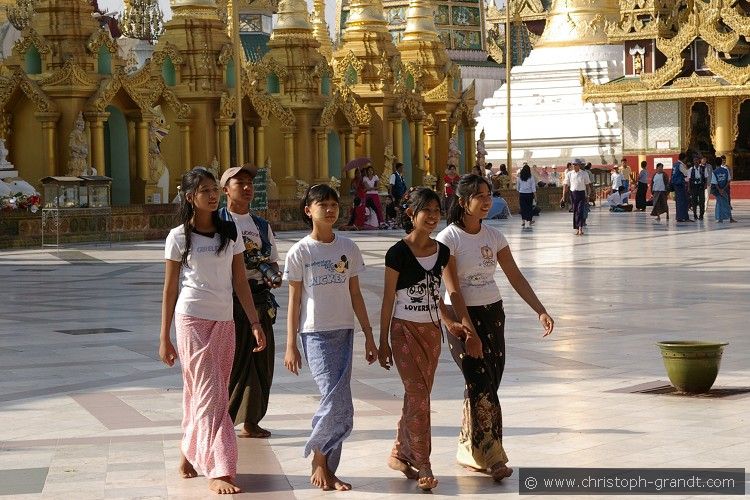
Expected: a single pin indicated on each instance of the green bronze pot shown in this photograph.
(692, 365)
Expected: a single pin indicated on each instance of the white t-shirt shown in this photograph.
(206, 291)
(370, 183)
(577, 180)
(476, 262)
(658, 182)
(247, 228)
(616, 181)
(324, 270)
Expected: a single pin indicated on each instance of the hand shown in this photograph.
(292, 359)
(473, 346)
(371, 350)
(385, 356)
(167, 352)
(456, 328)
(260, 337)
(547, 323)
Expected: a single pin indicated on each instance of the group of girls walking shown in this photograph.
(322, 270)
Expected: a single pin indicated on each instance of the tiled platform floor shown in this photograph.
(87, 410)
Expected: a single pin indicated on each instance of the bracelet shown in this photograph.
(252, 324)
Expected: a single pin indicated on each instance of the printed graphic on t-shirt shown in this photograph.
(488, 258)
(327, 271)
(423, 296)
(252, 249)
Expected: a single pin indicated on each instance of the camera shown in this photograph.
(270, 274)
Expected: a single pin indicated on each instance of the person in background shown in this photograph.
(526, 188)
(627, 176)
(577, 185)
(450, 179)
(396, 183)
(680, 174)
(720, 180)
(659, 183)
(640, 194)
(372, 183)
(697, 182)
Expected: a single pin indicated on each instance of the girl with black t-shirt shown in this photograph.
(411, 301)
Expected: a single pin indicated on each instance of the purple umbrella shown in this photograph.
(357, 163)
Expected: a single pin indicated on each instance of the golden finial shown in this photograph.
(292, 15)
(420, 22)
(320, 29)
(142, 20)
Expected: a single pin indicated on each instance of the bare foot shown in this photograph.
(337, 483)
(254, 431)
(319, 476)
(186, 469)
(223, 486)
(500, 472)
(426, 481)
(474, 469)
(403, 467)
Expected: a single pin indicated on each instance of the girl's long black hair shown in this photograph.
(417, 199)
(525, 173)
(318, 192)
(468, 186)
(189, 184)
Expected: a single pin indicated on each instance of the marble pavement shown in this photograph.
(88, 411)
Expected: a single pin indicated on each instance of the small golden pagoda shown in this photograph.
(687, 80)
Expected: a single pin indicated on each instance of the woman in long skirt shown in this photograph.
(476, 250)
(720, 189)
(659, 184)
(526, 187)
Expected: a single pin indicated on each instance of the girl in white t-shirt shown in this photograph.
(204, 256)
(476, 250)
(323, 273)
(372, 184)
(414, 269)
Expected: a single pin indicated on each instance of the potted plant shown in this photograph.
(692, 365)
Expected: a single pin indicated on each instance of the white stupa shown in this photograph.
(550, 122)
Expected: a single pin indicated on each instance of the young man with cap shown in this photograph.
(577, 183)
(252, 372)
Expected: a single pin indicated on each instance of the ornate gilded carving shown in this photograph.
(343, 100)
(30, 37)
(733, 74)
(69, 75)
(226, 54)
(227, 106)
(734, 18)
(721, 41)
(182, 110)
(101, 37)
(673, 47)
(167, 49)
(340, 66)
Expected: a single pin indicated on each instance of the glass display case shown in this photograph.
(96, 191)
(76, 205)
(62, 192)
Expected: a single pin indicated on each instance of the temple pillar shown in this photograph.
(250, 141)
(368, 143)
(434, 168)
(260, 144)
(321, 173)
(96, 126)
(225, 150)
(141, 138)
(185, 156)
(443, 136)
(351, 152)
(49, 138)
(398, 140)
(724, 129)
(289, 153)
(419, 144)
(470, 148)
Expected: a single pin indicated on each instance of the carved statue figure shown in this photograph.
(335, 183)
(454, 154)
(637, 64)
(301, 188)
(388, 163)
(157, 167)
(78, 160)
(4, 163)
(481, 151)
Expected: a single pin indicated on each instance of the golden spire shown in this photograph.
(292, 17)
(320, 28)
(420, 22)
(366, 15)
(142, 19)
(194, 8)
(20, 14)
(579, 22)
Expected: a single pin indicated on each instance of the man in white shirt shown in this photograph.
(617, 185)
(252, 372)
(577, 183)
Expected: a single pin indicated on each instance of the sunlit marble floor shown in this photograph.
(88, 411)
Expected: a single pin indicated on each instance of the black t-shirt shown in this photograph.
(417, 289)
